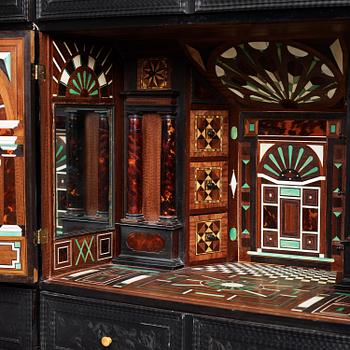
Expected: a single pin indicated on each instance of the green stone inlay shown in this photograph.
(337, 213)
(17, 244)
(245, 206)
(245, 232)
(340, 309)
(311, 171)
(233, 234)
(267, 167)
(245, 186)
(10, 233)
(59, 150)
(80, 80)
(307, 162)
(312, 65)
(290, 153)
(84, 254)
(333, 128)
(338, 165)
(300, 154)
(289, 244)
(290, 192)
(246, 161)
(234, 133)
(73, 92)
(63, 158)
(337, 190)
(251, 127)
(76, 84)
(18, 266)
(280, 152)
(92, 85)
(274, 160)
(336, 239)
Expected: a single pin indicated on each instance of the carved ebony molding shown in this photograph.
(69, 9)
(242, 5)
(14, 10)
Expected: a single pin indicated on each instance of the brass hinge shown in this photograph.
(38, 72)
(40, 236)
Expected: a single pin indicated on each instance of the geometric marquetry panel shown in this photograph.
(13, 255)
(153, 74)
(104, 246)
(208, 237)
(81, 70)
(279, 74)
(208, 184)
(209, 133)
(63, 254)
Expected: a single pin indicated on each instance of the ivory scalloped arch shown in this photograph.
(279, 74)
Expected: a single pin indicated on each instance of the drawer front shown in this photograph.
(47, 9)
(16, 327)
(78, 323)
(14, 10)
(219, 334)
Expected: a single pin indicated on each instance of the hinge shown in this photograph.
(40, 236)
(38, 72)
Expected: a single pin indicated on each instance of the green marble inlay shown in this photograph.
(337, 213)
(233, 233)
(311, 171)
(17, 244)
(290, 192)
(300, 154)
(290, 153)
(245, 186)
(267, 167)
(336, 239)
(245, 232)
(18, 266)
(333, 128)
(245, 161)
(289, 244)
(251, 127)
(274, 160)
(84, 254)
(307, 162)
(245, 206)
(340, 309)
(234, 133)
(337, 190)
(280, 152)
(338, 165)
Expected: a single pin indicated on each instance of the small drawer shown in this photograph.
(72, 323)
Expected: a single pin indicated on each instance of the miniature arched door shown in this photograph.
(291, 195)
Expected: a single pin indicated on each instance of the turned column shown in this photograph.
(74, 146)
(134, 170)
(168, 169)
(103, 166)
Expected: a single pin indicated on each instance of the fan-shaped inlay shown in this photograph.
(278, 74)
(81, 70)
(290, 162)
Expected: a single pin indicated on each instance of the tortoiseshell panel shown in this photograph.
(270, 239)
(292, 127)
(134, 178)
(290, 218)
(153, 74)
(208, 185)
(168, 168)
(81, 69)
(208, 237)
(209, 133)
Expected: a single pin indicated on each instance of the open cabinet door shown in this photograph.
(17, 162)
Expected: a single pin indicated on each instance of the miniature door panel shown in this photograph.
(211, 333)
(16, 163)
(72, 323)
